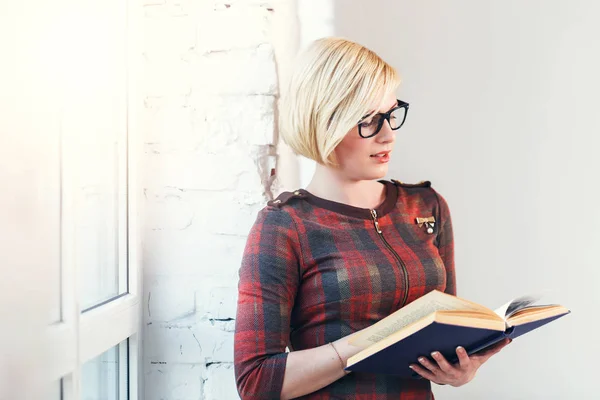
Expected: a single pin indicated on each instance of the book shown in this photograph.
(440, 322)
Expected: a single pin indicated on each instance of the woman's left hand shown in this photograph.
(444, 373)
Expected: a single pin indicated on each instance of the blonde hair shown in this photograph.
(334, 83)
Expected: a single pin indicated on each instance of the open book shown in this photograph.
(441, 322)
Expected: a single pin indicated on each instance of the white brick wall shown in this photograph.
(210, 100)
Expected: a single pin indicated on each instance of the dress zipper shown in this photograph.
(402, 265)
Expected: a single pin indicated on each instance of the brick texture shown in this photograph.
(211, 91)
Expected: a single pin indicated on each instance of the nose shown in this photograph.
(386, 134)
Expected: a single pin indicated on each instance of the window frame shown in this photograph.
(82, 335)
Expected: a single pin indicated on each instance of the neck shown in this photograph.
(329, 184)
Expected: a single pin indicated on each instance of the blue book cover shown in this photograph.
(390, 351)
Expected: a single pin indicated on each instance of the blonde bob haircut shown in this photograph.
(334, 84)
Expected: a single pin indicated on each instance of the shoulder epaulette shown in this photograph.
(285, 198)
(409, 185)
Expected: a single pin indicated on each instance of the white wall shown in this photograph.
(212, 72)
(29, 214)
(504, 122)
(317, 19)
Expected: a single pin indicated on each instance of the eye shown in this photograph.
(366, 124)
(371, 122)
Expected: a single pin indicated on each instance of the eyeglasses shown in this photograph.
(395, 117)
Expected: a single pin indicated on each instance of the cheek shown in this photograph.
(351, 151)
(352, 147)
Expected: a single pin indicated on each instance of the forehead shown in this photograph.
(385, 104)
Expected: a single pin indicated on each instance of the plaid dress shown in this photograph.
(314, 271)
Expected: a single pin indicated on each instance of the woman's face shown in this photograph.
(367, 159)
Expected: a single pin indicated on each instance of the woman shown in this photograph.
(324, 263)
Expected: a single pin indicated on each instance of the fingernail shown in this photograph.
(460, 348)
(435, 354)
(411, 367)
(421, 359)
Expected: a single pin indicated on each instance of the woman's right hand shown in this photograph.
(461, 373)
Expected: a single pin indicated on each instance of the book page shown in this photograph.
(516, 305)
(535, 313)
(418, 309)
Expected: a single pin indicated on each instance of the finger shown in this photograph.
(429, 365)
(463, 357)
(444, 365)
(423, 372)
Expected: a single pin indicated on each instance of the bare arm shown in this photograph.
(310, 370)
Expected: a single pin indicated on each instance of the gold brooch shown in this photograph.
(428, 222)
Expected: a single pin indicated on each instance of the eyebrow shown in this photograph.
(372, 111)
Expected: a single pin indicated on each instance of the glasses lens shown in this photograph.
(397, 118)
(370, 125)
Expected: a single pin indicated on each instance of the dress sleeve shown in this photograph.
(268, 282)
(446, 245)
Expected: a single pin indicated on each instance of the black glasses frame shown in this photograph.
(386, 117)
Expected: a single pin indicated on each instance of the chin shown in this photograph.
(373, 174)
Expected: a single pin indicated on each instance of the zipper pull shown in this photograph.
(374, 215)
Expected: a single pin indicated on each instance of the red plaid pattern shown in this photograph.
(314, 271)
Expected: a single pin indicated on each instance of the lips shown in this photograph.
(381, 154)
(382, 157)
